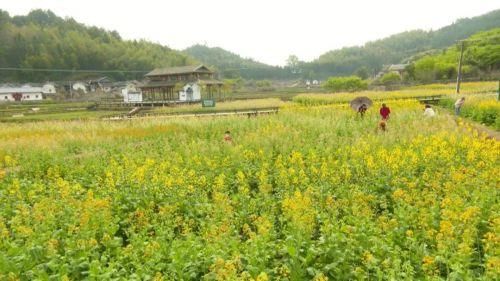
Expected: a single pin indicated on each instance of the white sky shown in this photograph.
(265, 30)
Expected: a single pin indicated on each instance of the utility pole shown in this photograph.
(71, 90)
(459, 75)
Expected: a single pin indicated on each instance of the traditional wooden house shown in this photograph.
(185, 83)
(396, 68)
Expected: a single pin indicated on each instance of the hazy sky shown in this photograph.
(265, 30)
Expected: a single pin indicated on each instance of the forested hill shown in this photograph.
(481, 58)
(397, 48)
(43, 40)
(231, 65)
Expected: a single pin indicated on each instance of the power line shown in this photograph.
(71, 70)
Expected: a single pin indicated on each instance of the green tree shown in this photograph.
(362, 72)
(345, 84)
(293, 64)
(390, 78)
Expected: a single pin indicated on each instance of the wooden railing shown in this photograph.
(220, 113)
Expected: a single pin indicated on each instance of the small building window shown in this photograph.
(36, 96)
(6, 98)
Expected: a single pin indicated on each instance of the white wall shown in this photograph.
(130, 96)
(49, 89)
(6, 97)
(79, 86)
(28, 93)
(32, 96)
(196, 95)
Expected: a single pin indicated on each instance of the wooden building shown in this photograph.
(185, 83)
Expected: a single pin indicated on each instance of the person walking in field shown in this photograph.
(362, 110)
(382, 126)
(227, 137)
(428, 111)
(458, 105)
(385, 112)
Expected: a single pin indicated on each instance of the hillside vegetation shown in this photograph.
(399, 47)
(481, 55)
(43, 40)
(231, 65)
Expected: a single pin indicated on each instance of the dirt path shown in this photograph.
(482, 129)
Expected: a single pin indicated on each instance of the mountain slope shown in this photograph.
(481, 56)
(231, 65)
(396, 48)
(43, 40)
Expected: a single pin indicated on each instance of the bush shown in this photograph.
(390, 78)
(345, 84)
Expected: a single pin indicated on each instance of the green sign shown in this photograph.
(208, 103)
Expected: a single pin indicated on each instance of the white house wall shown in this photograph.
(79, 86)
(32, 96)
(6, 97)
(28, 93)
(49, 89)
(130, 96)
(183, 95)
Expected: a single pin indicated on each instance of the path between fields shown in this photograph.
(478, 127)
(483, 129)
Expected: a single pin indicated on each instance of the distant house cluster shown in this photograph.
(101, 84)
(183, 84)
(313, 83)
(36, 92)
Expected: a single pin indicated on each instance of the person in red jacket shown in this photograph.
(385, 112)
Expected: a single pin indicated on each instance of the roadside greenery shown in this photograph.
(345, 84)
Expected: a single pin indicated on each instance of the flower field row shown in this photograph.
(470, 88)
(313, 193)
(483, 108)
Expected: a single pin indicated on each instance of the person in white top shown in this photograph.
(458, 105)
(429, 112)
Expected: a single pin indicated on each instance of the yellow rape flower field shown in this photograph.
(312, 193)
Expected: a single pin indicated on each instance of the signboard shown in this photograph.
(208, 103)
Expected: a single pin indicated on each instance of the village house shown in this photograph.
(25, 92)
(185, 83)
(103, 83)
(49, 89)
(129, 90)
(79, 87)
(396, 68)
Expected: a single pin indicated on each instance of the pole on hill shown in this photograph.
(459, 74)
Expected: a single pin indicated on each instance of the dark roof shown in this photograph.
(210, 82)
(152, 84)
(397, 67)
(179, 70)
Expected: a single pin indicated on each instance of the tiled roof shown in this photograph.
(179, 70)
